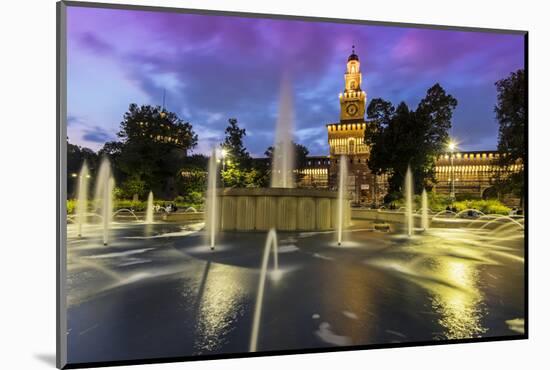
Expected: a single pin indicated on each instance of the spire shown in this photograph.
(353, 56)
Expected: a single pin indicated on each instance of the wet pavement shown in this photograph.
(159, 291)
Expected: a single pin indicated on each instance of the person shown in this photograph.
(169, 208)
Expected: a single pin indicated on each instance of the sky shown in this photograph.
(213, 68)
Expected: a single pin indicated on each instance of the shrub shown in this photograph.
(132, 186)
(71, 205)
(491, 206)
(130, 204)
(438, 202)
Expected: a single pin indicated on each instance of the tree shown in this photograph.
(300, 158)
(76, 156)
(192, 177)
(233, 144)
(400, 137)
(240, 170)
(152, 148)
(133, 186)
(511, 114)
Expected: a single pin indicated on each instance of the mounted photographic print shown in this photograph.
(234, 184)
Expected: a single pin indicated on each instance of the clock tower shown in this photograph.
(346, 140)
(353, 99)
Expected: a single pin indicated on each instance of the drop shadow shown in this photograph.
(46, 358)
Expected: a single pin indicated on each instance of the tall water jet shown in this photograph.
(270, 244)
(409, 222)
(282, 166)
(82, 197)
(108, 208)
(425, 221)
(103, 197)
(149, 212)
(211, 200)
(342, 177)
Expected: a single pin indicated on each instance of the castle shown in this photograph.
(471, 172)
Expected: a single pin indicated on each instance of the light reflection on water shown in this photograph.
(461, 308)
(221, 305)
(448, 263)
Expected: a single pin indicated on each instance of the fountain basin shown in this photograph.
(285, 209)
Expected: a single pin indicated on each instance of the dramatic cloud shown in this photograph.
(97, 134)
(212, 68)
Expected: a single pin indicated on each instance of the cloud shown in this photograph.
(96, 44)
(71, 120)
(215, 67)
(97, 134)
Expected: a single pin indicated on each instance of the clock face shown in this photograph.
(351, 109)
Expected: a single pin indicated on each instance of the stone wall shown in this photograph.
(261, 209)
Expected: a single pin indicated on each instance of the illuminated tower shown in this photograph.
(353, 99)
(347, 137)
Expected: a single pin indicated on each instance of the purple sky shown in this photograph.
(217, 67)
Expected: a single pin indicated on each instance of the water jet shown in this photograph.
(211, 200)
(342, 177)
(270, 244)
(149, 212)
(82, 198)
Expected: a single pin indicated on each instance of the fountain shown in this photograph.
(342, 177)
(409, 221)
(282, 171)
(108, 209)
(282, 205)
(124, 210)
(82, 197)
(425, 221)
(211, 200)
(103, 196)
(149, 213)
(270, 244)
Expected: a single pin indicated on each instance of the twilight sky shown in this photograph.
(217, 67)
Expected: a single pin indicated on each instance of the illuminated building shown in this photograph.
(474, 172)
(346, 137)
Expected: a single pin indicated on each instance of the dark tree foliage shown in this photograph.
(400, 137)
(153, 146)
(76, 156)
(511, 115)
(192, 175)
(113, 150)
(238, 168)
(234, 145)
(300, 154)
(300, 158)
